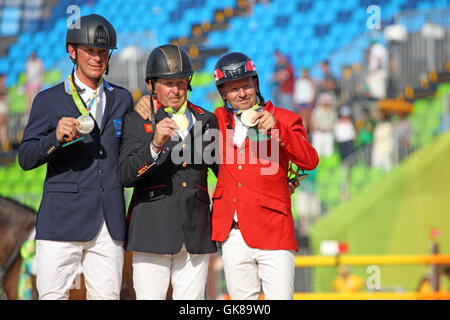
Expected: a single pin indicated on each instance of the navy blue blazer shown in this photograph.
(81, 186)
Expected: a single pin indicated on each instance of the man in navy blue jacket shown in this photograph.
(75, 128)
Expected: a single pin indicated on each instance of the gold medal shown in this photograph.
(87, 124)
(247, 116)
(181, 121)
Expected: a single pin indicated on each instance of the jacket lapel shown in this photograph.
(109, 94)
(198, 114)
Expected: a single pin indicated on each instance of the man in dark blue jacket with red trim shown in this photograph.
(166, 161)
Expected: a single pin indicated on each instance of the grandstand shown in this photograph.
(308, 32)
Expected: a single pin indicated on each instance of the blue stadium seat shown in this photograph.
(3, 65)
(10, 22)
(300, 22)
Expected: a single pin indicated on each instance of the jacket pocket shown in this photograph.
(272, 204)
(66, 187)
(153, 193)
(203, 194)
(218, 193)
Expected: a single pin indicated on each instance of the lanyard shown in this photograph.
(238, 111)
(84, 110)
(181, 111)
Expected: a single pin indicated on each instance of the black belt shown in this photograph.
(235, 225)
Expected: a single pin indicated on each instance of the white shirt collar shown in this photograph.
(88, 92)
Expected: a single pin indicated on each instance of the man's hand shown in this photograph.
(67, 127)
(143, 107)
(292, 186)
(165, 129)
(266, 120)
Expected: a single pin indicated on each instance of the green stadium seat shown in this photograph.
(420, 106)
(3, 174)
(5, 190)
(35, 186)
(53, 77)
(443, 89)
(17, 100)
(15, 173)
(18, 189)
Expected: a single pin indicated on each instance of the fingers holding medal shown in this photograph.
(66, 128)
(165, 129)
(248, 116)
(264, 119)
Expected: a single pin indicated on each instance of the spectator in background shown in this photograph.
(250, 4)
(378, 70)
(4, 108)
(365, 126)
(446, 274)
(323, 120)
(347, 282)
(426, 282)
(404, 131)
(328, 83)
(34, 71)
(383, 143)
(304, 97)
(344, 131)
(425, 285)
(284, 80)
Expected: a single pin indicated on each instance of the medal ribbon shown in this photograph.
(238, 111)
(84, 110)
(181, 111)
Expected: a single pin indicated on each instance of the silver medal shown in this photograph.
(87, 124)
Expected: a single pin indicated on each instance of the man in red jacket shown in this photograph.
(252, 216)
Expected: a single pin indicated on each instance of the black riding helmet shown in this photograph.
(93, 31)
(168, 61)
(234, 66)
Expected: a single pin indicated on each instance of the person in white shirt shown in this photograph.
(377, 70)
(34, 71)
(383, 143)
(304, 96)
(322, 125)
(344, 132)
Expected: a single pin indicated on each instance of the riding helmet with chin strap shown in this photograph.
(234, 66)
(93, 31)
(169, 62)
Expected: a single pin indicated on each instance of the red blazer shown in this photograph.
(253, 180)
